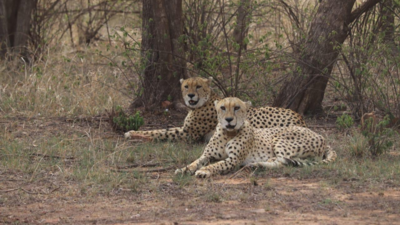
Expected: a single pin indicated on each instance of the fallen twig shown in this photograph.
(9, 190)
(29, 192)
(159, 170)
(246, 168)
(145, 171)
(51, 156)
(328, 126)
(138, 165)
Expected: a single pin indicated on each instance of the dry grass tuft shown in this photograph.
(62, 84)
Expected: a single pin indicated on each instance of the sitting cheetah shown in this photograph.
(201, 121)
(236, 142)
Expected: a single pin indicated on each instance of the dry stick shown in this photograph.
(9, 190)
(322, 126)
(147, 171)
(51, 156)
(160, 170)
(54, 189)
(29, 192)
(138, 165)
(237, 172)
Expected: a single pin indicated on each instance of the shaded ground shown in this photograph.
(244, 197)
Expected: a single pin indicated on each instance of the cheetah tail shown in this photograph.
(297, 163)
(330, 155)
(171, 134)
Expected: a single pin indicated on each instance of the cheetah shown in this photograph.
(201, 120)
(236, 142)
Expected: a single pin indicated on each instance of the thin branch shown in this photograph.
(362, 9)
(290, 13)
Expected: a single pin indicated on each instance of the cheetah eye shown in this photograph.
(223, 108)
(236, 108)
(198, 87)
(186, 86)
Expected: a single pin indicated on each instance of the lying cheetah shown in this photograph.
(201, 121)
(236, 142)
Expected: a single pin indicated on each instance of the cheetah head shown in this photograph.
(196, 91)
(231, 112)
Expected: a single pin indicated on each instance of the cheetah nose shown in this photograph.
(229, 119)
(191, 95)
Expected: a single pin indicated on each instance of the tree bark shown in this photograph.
(23, 25)
(387, 15)
(305, 90)
(15, 21)
(242, 22)
(4, 37)
(162, 52)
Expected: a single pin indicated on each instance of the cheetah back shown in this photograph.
(268, 117)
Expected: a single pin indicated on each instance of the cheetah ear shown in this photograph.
(210, 79)
(248, 104)
(215, 103)
(181, 80)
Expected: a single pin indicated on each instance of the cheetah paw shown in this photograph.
(127, 135)
(180, 171)
(252, 165)
(183, 170)
(203, 174)
(132, 135)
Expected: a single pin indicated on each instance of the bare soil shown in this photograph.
(235, 198)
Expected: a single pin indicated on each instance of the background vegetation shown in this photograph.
(80, 59)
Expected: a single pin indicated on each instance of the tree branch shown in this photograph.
(362, 9)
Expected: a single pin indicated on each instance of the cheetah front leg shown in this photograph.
(215, 150)
(194, 166)
(235, 156)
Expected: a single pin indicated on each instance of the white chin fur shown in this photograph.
(237, 126)
(200, 102)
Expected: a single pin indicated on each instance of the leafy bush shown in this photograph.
(358, 145)
(344, 122)
(120, 122)
(368, 72)
(378, 134)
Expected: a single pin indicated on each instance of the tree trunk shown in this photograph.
(162, 53)
(305, 90)
(4, 37)
(15, 20)
(388, 28)
(242, 23)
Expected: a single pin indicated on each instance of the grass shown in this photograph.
(85, 157)
(367, 171)
(62, 84)
(91, 160)
(78, 161)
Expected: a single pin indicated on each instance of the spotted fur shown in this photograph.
(202, 119)
(236, 142)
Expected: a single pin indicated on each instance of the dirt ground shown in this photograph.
(228, 199)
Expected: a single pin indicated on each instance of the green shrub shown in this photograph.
(120, 122)
(344, 122)
(358, 145)
(379, 136)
